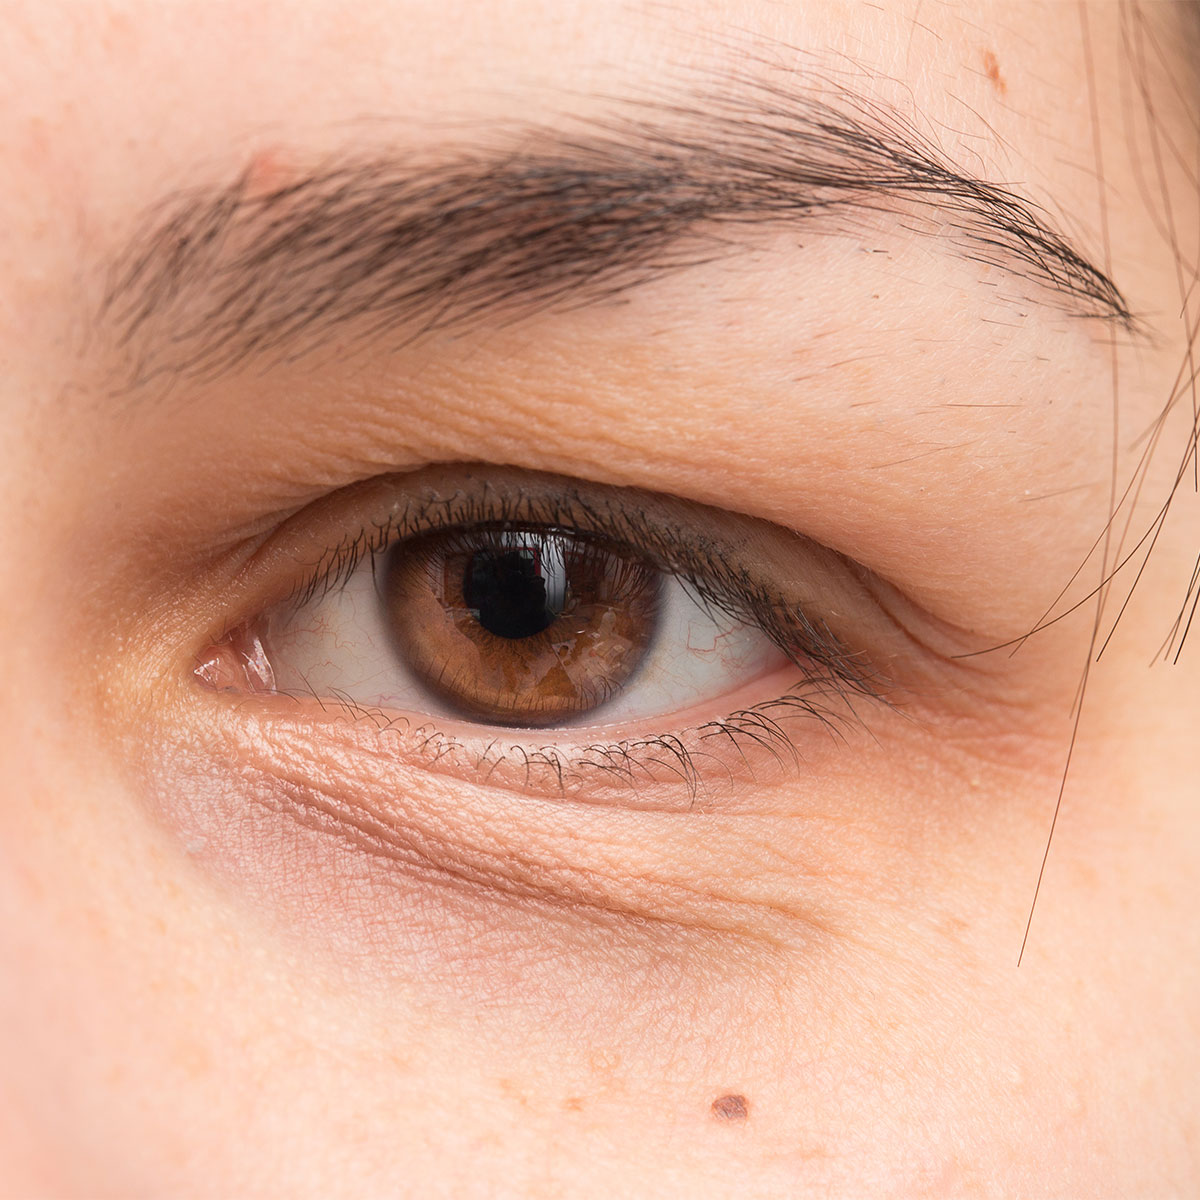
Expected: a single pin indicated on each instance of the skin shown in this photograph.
(809, 984)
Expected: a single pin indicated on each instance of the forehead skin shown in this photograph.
(168, 1028)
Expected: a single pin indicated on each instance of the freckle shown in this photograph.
(730, 1108)
(192, 1059)
(991, 69)
(573, 1104)
(513, 1092)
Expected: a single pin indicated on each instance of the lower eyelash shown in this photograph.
(741, 743)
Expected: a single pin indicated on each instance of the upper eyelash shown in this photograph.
(704, 572)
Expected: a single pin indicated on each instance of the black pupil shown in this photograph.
(507, 592)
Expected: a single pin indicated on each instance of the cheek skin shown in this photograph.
(868, 926)
(886, 1029)
(395, 869)
(686, 863)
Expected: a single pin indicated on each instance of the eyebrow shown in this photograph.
(401, 244)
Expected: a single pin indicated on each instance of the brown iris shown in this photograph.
(527, 627)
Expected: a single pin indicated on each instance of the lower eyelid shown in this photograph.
(708, 758)
(355, 787)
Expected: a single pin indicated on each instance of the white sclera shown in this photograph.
(339, 646)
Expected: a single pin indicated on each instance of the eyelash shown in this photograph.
(701, 568)
(832, 677)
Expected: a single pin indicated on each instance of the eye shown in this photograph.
(523, 626)
(456, 600)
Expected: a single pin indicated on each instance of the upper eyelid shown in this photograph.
(508, 494)
(729, 560)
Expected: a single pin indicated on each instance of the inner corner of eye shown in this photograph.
(237, 661)
(527, 627)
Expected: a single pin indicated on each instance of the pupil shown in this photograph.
(507, 594)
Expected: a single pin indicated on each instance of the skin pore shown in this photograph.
(265, 945)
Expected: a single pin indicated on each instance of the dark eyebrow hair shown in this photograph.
(390, 241)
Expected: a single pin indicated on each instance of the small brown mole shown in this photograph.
(730, 1108)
